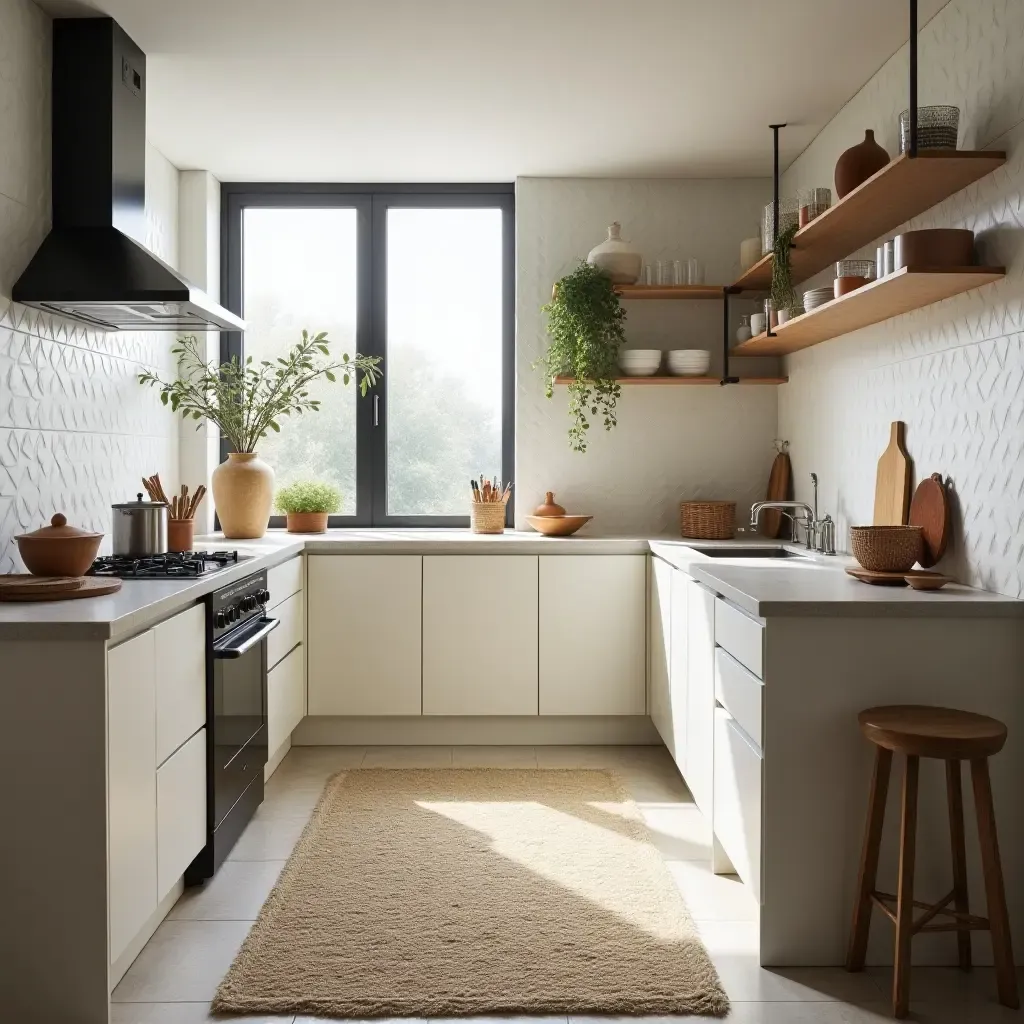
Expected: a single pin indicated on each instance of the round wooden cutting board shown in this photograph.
(929, 509)
(24, 587)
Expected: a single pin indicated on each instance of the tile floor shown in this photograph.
(175, 976)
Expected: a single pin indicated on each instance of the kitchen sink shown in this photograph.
(748, 553)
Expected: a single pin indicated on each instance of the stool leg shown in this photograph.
(955, 797)
(995, 894)
(869, 860)
(905, 892)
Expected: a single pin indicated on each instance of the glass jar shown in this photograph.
(811, 203)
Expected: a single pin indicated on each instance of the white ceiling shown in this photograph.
(485, 90)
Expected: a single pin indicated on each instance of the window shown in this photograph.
(422, 277)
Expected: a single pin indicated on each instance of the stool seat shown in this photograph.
(922, 731)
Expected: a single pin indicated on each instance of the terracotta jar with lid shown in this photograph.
(550, 507)
(58, 549)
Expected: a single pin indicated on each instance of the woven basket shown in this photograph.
(487, 516)
(708, 520)
(887, 548)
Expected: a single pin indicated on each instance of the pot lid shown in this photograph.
(58, 530)
(139, 503)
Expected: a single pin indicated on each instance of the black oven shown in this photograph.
(237, 628)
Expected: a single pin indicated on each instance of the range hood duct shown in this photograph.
(92, 267)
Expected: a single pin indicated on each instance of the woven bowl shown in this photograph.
(887, 548)
(707, 520)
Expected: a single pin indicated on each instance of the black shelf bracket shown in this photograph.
(912, 148)
(726, 379)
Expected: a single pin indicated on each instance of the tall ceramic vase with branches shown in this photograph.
(247, 400)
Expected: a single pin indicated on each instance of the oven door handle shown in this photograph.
(231, 651)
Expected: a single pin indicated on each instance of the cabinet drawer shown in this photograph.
(180, 811)
(286, 697)
(289, 634)
(739, 692)
(740, 635)
(283, 581)
(737, 807)
(180, 663)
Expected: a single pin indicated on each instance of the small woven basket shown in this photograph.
(487, 516)
(887, 548)
(708, 520)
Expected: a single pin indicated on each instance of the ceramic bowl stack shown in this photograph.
(817, 297)
(640, 362)
(689, 362)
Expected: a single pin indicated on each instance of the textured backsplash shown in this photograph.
(76, 429)
(954, 371)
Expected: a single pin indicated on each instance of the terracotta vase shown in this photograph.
(243, 489)
(550, 506)
(858, 163)
(306, 522)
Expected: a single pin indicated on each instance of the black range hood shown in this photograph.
(90, 267)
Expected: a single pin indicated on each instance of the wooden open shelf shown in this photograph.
(665, 291)
(901, 190)
(906, 289)
(656, 381)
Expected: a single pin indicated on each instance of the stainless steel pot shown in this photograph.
(140, 528)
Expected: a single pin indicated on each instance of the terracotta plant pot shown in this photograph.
(243, 490)
(180, 534)
(306, 522)
(858, 163)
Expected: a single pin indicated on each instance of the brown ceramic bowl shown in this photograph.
(58, 549)
(843, 285)
(935, 247)
(929, 581)
(887, 548)
(557, 526)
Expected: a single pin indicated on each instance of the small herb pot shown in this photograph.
(306, 522)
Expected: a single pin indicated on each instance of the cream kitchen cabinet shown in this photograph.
(480, 637)
(180, 661)
(678, 666)
(364, 633)
(180, 811)
(700, 694)
(659, 650)
(286, 697)
(592, 639)
(737, 798)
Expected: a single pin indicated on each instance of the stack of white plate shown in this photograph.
(818, 297)
(689, 362)
(640, 362)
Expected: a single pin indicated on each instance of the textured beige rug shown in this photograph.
(445, 892)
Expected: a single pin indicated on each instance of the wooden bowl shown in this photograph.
(557, 526)
(933, 581)
(887, 548)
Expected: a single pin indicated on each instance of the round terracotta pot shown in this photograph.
(858, 163)
(180, 534)
(306, 522)
(845, 285)
(243, 490)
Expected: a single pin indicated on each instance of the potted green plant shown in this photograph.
(783, 294)
(306, 504)
(585, 324)
(246, 401)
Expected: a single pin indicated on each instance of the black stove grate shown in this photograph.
(171, 566)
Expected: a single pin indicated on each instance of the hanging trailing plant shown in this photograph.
(585, 324)
(783, 294)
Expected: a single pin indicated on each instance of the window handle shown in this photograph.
(376, 410)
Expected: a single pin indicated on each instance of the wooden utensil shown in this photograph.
(887, 579)
(91, 586)
(778, 490)
(892, 481)
(929, 509)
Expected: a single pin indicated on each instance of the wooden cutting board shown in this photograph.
(23, 587)
(930, 510)
(778, 490)
(892, 481)
(887, 579)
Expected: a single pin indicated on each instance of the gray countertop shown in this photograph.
(760, 587)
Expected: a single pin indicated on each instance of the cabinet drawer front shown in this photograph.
(740, 635)
(740, 693)
(289, 634)
(286, 697)
(283, 581)
(737, 807)
(180, 811)
(180, 660)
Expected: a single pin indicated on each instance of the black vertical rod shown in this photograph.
(912, 149)
(775, 205)
(726, 379)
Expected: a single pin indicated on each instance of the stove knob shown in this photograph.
(264, 596)
(248, 604)
(231, 612)
(220, 620)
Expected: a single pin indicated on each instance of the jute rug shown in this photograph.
(446, 892)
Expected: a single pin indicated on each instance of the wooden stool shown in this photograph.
(917, 731)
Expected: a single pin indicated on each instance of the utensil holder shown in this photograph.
(487, 516)
(180, 533)
(707, 520)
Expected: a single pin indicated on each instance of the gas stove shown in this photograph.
(171, 566)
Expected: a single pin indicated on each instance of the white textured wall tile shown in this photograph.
(77, 431)
(672, 442)
(954, 372)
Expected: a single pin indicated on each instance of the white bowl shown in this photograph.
(640, 362)
(689, 362)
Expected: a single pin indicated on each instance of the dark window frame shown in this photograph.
(371, 202)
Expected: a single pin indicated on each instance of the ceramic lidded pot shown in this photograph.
(858, 163)
(58, 549)
(550, 507)
(618, 259)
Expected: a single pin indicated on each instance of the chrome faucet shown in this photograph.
(820, 533)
